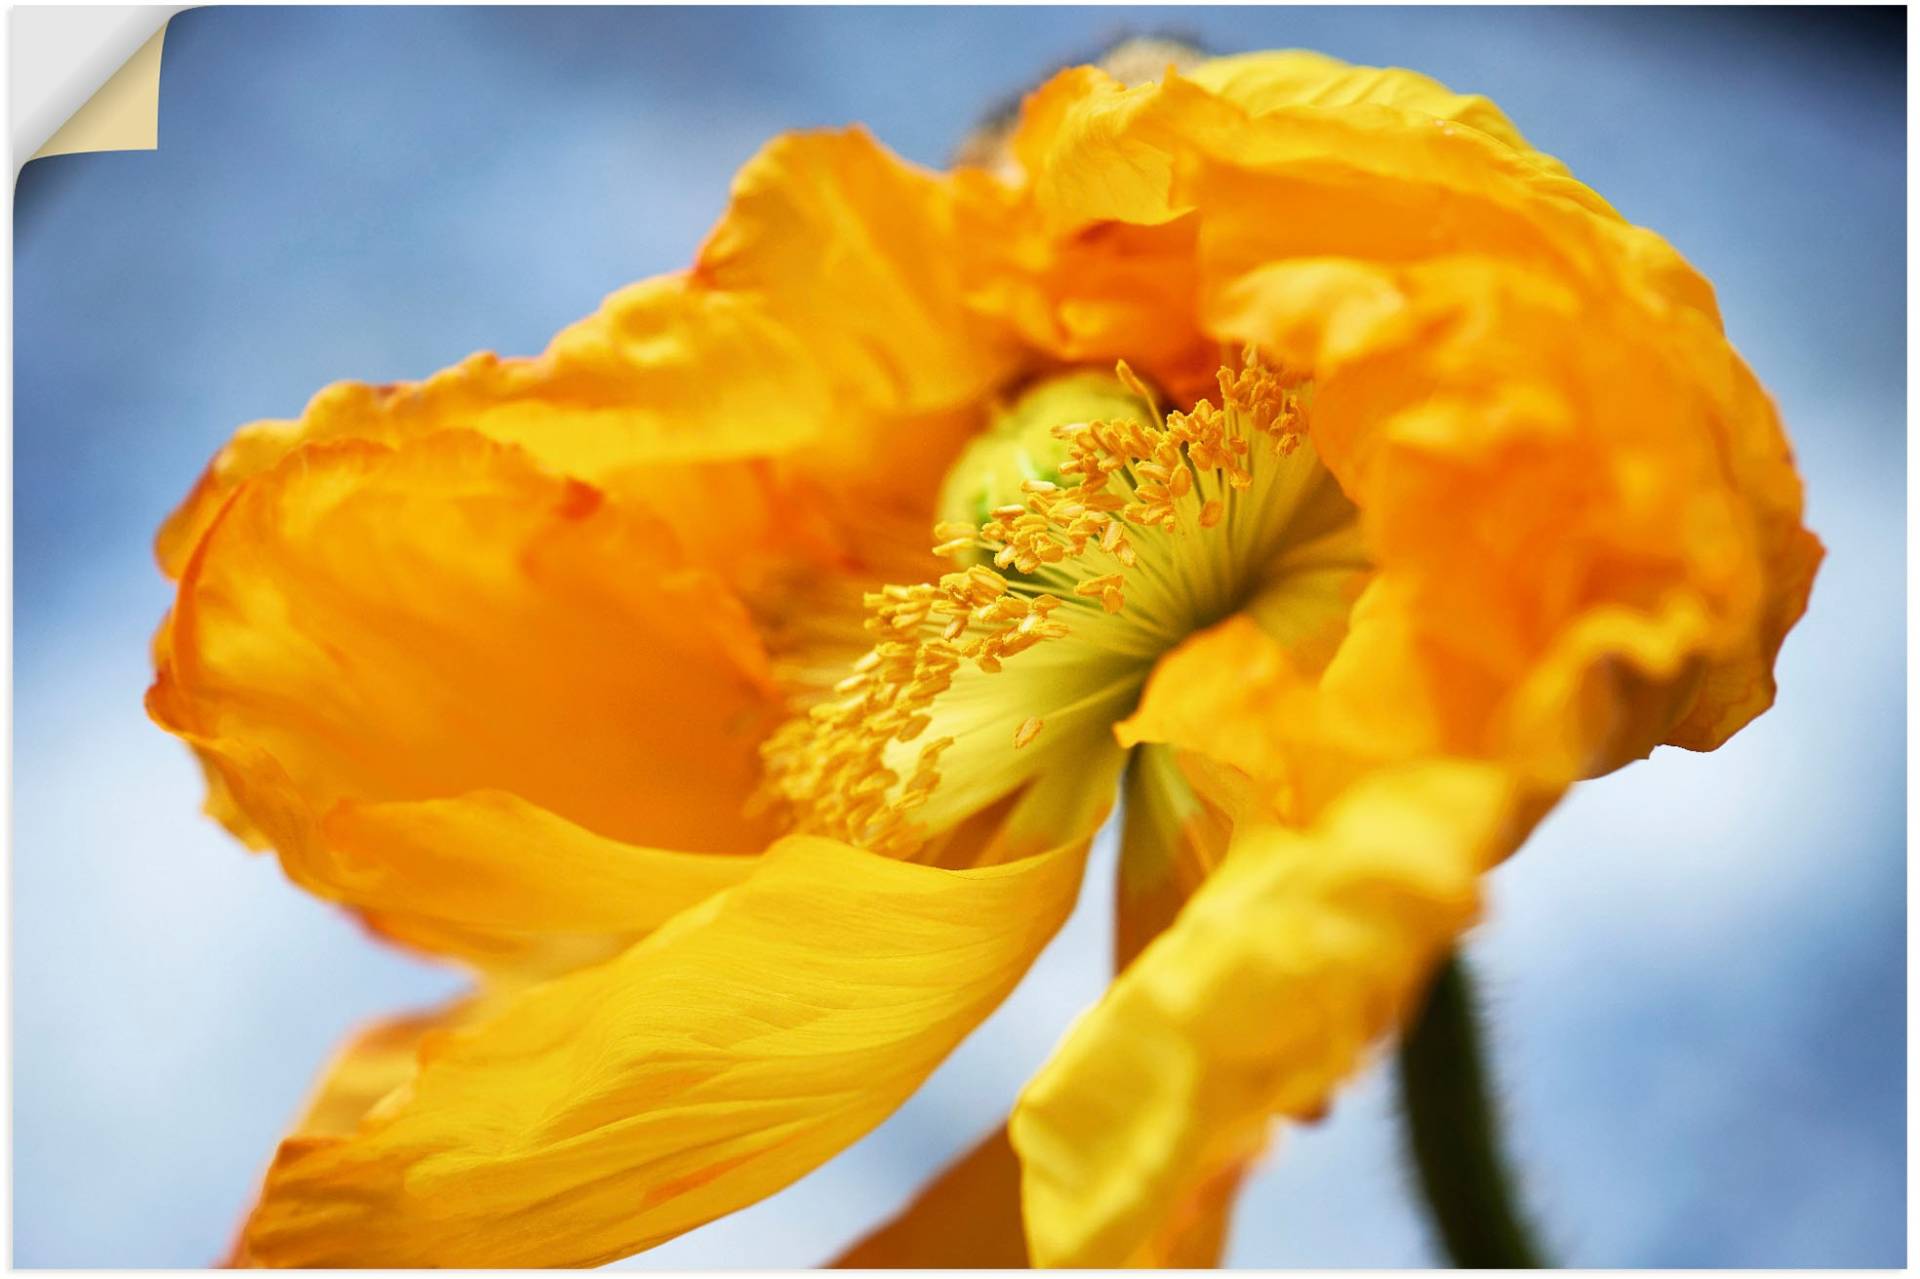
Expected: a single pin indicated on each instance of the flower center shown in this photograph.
(1091, 535)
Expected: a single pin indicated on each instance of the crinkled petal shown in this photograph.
(1265, 82)
(1543, 480)
(1383, 187)
(1299, 952)
(1738, 684)
(825, 309)
(1098, 264)
(1535, 406)
(1097, 149)
(445, 684)
(1092, 295)
(853, 249)
(666, 372)
(728, 1054)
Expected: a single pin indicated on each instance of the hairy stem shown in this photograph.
(1454, 1135)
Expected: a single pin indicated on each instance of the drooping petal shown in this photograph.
(1294, 956)
(443, 683)
(710, 1065)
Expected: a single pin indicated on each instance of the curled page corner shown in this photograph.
(123, 112)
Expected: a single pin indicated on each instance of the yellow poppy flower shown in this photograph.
(1307, 457)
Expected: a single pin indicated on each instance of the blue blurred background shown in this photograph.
(1696, 970)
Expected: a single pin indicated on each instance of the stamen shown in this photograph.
(1090, 559)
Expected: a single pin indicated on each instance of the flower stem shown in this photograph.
(1452, 1129)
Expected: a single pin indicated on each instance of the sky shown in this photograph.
(1695, 972)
